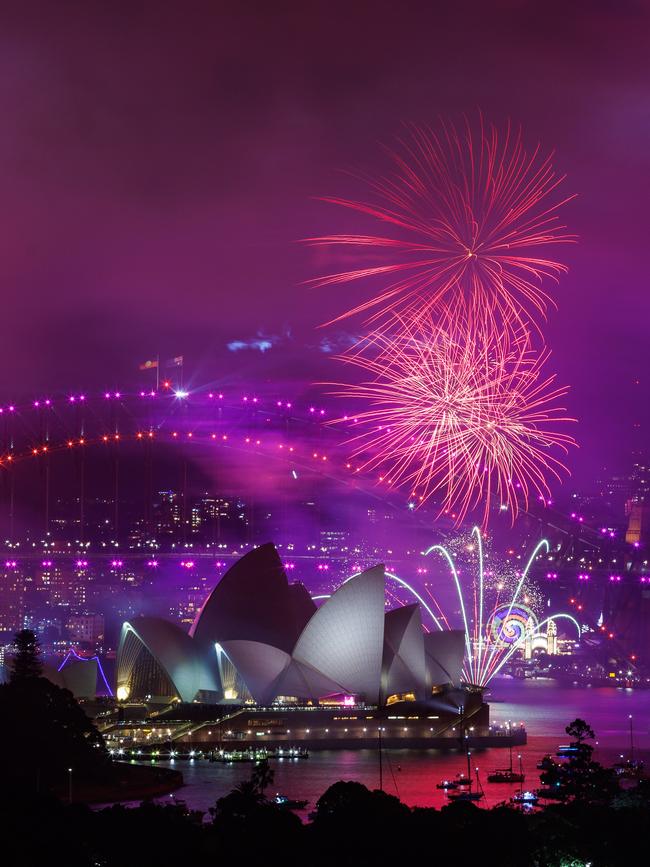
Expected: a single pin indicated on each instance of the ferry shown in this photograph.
(252, 755)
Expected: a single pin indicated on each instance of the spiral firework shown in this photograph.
(508, 625)
(466, 416)
(492, 641)
(467, 215)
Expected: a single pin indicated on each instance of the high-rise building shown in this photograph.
(87, 628)
(167, 513)
(12, 600)
(639, 485)
(638, 527)
(67, 586)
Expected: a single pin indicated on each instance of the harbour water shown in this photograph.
(544, 706)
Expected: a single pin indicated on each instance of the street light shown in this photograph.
(69, 785)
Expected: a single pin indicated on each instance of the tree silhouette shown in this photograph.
(581, 732)
(247, 798)
(45, 725)
(26, 663)
(580, 778)
(262, 776)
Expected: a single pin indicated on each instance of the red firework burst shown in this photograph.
(468, 213)
(463, 416)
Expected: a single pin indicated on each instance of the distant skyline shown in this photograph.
(157, 178)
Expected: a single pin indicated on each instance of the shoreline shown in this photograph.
(135, 782)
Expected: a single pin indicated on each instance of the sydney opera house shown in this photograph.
(260, 641)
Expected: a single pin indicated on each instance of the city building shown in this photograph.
(12, 599)
(638, 528)
(86, 628)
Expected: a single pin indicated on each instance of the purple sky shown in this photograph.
(160, 160)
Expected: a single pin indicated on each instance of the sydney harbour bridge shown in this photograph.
(81, 477)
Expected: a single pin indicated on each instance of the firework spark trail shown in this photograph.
(469, 212)
(543, 543)
(477, 533)
(469, 673)
(465, 415)
(417, 596)
(486, 653)
(391, 595)
(442, 614)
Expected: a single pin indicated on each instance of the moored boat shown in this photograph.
(469, 794)
(447, 784)
(508, 775)
(289, 803)
(528, 798)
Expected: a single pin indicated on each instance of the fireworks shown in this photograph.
(464, 416)
(491, 640)
(508, 624)
(459, 405)
(465, 214)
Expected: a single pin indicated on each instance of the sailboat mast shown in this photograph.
(631, 740)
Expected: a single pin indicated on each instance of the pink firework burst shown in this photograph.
(462, 416)
(467, 214)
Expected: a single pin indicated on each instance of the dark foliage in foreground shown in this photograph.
(43, 729)
(352, 826)
(593, 822)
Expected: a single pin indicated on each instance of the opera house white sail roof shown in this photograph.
(258, 637)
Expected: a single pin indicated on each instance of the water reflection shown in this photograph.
(412, 775)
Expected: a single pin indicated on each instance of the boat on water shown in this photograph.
(447, 784)
(289, 803)
(469, 794)
(253, 755)
(526, 798)
(508, 775)
(630, 768)
(466, 796)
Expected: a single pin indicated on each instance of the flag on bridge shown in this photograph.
(152, 364)
(176, 361)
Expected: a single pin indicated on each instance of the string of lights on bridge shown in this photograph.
(312, 413)
(214, 398)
